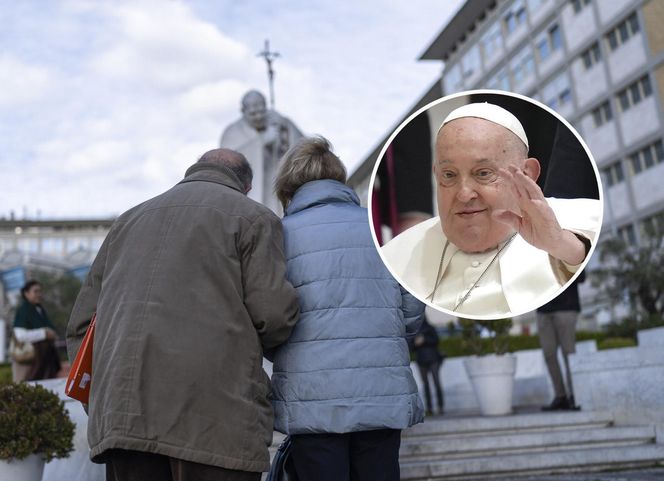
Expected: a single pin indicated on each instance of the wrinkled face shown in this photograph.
(34, 294)
(469, 152)
(254, 111)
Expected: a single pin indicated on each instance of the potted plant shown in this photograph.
(34, 428)
(491, 368)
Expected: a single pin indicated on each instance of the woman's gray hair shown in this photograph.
(311, 158)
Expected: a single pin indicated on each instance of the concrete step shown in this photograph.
(446, 447)
(575, 460)
(518, 423)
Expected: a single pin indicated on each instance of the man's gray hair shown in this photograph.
(232, 160)
(311, 158)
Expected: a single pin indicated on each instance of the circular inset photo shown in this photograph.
(486, 204)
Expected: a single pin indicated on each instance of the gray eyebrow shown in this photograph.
(480, 161)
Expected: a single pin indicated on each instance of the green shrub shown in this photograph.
(615, 343)
(454, 347)
(628, 327)
(33, 420)
(497, 342)
(5, 373)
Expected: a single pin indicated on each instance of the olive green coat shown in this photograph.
(189, 288)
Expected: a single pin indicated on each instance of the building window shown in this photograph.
(634, 93)
(492, 41)
(653, 225)
(623, 32)
(591, 56)
(471, 63)
(627, 234)
(614, 174)
(549, 42)
(647, 157)
(500, 81)
(602, 114)
(515, 17)
(557, 93)
(578, 5)
(523, 64)
(452, 79)
(53, 245)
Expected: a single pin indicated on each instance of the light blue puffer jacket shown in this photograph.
(345, 367)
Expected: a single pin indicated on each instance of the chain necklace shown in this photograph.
(467, 295)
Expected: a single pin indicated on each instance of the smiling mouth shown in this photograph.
(469, 213)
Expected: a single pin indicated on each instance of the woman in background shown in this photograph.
(32, 324)
(342, 384)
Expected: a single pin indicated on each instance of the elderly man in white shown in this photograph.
(263, 136)
(498, 247)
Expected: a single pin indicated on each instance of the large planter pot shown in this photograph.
(26, 469)
(492, 378)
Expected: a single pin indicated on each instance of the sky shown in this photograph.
(105, 104)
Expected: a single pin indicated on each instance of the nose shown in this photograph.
(466, 191)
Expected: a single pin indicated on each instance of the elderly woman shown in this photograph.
(342, 385)
(32, 324)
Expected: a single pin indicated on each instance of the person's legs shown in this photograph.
(123, 465)
(424, 375)
(435, 372)
(374, 455)
(321, 457)
(189, 471)
(549, 342)
(566, 327)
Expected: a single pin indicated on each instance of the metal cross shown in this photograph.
(269, 57)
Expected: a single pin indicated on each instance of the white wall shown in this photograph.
(602, 141)
(639, 121)
(552, 62)
(577, 28)
(609, 8)
(588, 84)
(648, 186)
(619, 200)
(627, 58)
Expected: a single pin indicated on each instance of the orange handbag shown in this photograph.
(80, 374)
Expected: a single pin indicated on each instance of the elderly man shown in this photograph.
(263, 136)
(189, 288)
(498, 246)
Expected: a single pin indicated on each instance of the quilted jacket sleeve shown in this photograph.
(413, 311)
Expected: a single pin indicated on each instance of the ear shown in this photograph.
(532, 168)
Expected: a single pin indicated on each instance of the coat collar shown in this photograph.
(319, 192)
(209, 172)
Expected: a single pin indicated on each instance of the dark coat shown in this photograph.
(28, 317)
(427, 352)
(189, 288)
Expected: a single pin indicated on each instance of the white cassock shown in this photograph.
(521, 279)
(264, 160)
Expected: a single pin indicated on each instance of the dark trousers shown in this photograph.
(432, 370)
(122, 465)
(46, 364)
(359, 456)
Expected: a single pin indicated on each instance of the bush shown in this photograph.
(497, 342)
(628, 327)
(615, 343)
(33, 420)
(454, 347)
(5, 373)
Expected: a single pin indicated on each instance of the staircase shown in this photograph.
(464, 448)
